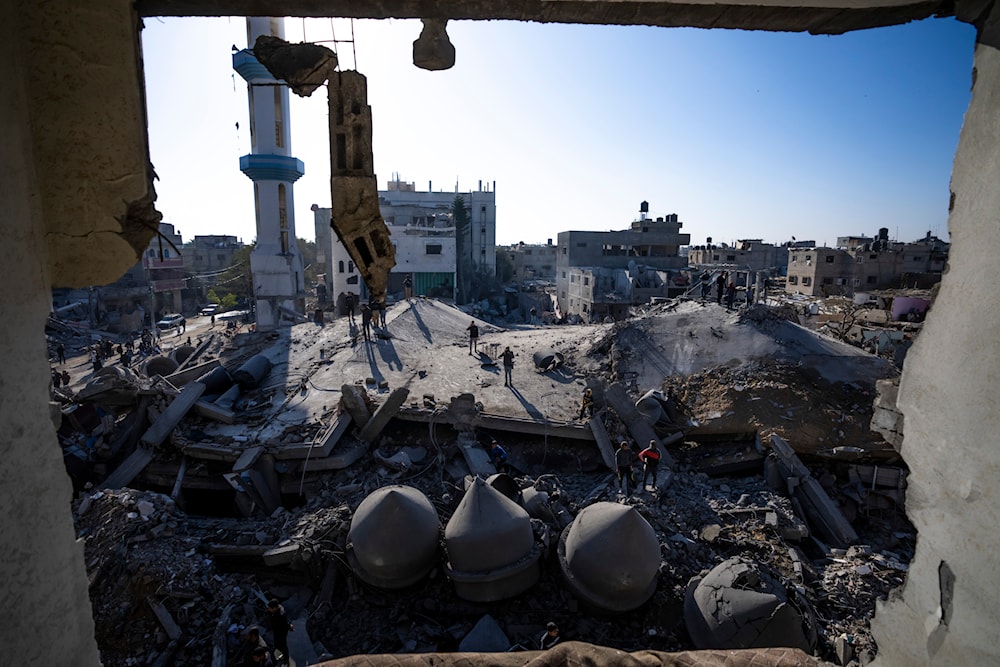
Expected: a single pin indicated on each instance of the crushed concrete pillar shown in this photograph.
(394, 537)
(382, 416)
(492, 552)
(610, 557)
(354, 400)
(887, 420)
(355, 213)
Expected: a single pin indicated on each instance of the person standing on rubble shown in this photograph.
(625, 459)
(587, 403)
(408, 287)
(730, 295)
(366, 321)
(508, 366)
(280, 627)
(56, 378)
(65, 379)
(349, 304)
(61, 353)
(473, 330)
(650, 458)
(720, 287)
(706, 283)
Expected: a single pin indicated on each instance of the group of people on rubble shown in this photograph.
(372, 314)
(254, 651)
(625, 460)
(507, 356)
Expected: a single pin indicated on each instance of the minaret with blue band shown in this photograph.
(275, 263)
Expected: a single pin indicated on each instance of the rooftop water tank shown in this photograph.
(394, 536)
(492, 552)
(610, 557)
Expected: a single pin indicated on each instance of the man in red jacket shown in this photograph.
(650, 458)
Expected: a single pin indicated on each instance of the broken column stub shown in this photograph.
(492, 552)
(253, 371)
(610, 557)
(394, 536)
(741, 604)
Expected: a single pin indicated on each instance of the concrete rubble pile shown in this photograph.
(373, 511)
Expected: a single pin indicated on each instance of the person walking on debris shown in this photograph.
(280, 627)
(706, 283)
(408, 287)
(65, 379)
(550, 637)
(508, 366)
(473, 330)
(650, 458)
(720, 287)
(349, 304)
(587, 404)
(366, 320)
(498, 456)
(730, 295)
(213, 319)
(625, 459)
(61, 353)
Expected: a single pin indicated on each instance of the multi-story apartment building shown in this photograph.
(429, 246)
(534, 261)
(647, 244)
(209, 253)
(745, 254)
(865, 263)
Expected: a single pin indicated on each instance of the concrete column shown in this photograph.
(947, 612)
(47, 615)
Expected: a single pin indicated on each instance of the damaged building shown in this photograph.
(78, 192)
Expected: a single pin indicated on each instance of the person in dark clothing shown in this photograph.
(625, 459)
(56, 378)
(260, 657)
(408, 287)
(730, 295)
(587, 403)
(366, 320)
(61, 353)
(720, 287)
(280, 627)
(650, 458)
(65, 379)
(550, 638)
(252, 644)
(706, 284)
(349, 304)
(498, 457)
(508, 366)
(473, 330)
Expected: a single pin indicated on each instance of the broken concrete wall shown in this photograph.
(88, 137)
(49, 615)
(947, 612)
(886, 418)
(356, 216)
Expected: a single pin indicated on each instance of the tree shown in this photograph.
(505, 266)
(236, 279)
(308, 251)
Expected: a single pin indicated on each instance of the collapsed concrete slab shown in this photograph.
(740, 604)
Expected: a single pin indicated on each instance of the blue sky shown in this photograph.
(742, 134)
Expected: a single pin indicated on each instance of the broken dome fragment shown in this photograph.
(491, 547)
(610, 557)
(741, 604)
(394, 536)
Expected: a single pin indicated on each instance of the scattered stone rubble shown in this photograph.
(176, 588)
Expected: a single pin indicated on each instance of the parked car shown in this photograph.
(170, 321)
(210, 309)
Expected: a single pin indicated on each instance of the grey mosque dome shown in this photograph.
(491, 547)
(610, 557)
(394, 537)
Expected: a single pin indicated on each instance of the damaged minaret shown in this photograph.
(275, 262)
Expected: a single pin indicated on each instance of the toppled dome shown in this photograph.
(492, 553)
(610, 557)
(394, 536)
(741, 604)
